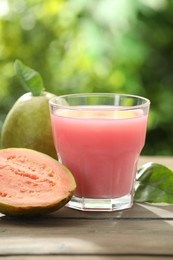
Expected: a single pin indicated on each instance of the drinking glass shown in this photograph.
(99, 137)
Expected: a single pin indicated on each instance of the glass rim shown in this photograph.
(53, 101)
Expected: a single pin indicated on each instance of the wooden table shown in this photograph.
(143, 232)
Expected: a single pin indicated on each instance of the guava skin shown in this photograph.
(26, 212)
(28, 125)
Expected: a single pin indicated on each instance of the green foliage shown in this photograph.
(122, 46)
(29, 78)
(154, 184)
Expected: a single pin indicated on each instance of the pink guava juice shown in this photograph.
(100, 148)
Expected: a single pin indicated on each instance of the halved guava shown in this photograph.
(32, 183)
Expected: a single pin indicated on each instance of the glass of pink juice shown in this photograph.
(99, 137)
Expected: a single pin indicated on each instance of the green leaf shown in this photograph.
(154, 184)
(29, 78)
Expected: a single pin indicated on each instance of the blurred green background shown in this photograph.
(121, 46)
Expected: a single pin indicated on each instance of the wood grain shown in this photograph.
(136, 231)
(79, 257)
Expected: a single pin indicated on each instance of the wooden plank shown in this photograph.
(138, 211)
(87, 237)
(165, 160)
(105, 257)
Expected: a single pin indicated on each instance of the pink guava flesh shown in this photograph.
(31, 179)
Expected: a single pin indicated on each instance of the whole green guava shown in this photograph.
(28, 124)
